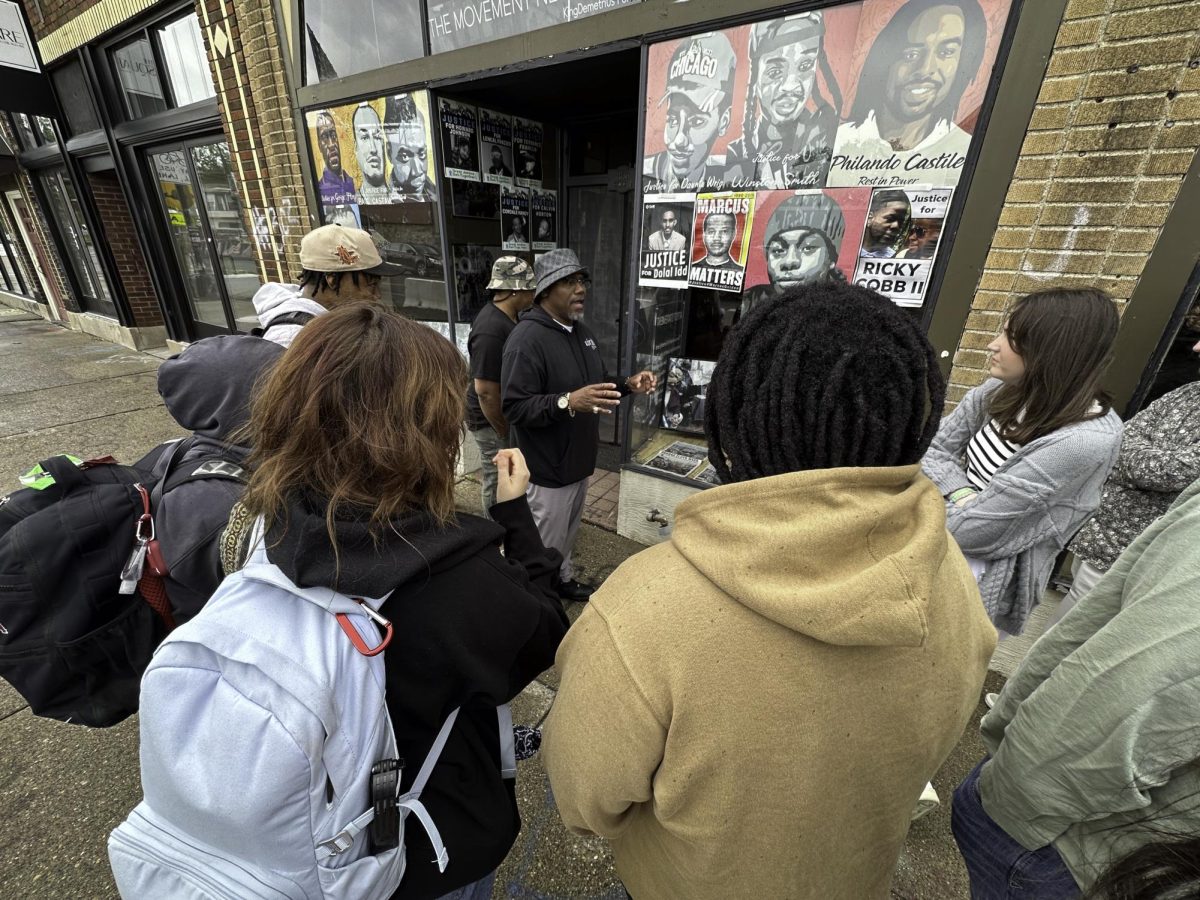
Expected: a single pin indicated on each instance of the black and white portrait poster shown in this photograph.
(544, 219)
(495, 147)
(721, 240)
(687, 389)
(527, 152)
(679, 458)
(472, 272)
(514, 218)
(666, 237)
(900, 240)
(460, 139)
(914, 91)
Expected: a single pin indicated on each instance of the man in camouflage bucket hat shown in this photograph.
(512, 293)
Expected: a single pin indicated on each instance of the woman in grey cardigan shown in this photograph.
(1022, 459)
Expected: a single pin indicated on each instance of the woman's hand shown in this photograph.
(512, 475)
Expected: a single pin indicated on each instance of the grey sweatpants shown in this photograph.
(489, 443)
(557, 512)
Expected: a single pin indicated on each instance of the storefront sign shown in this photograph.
(374, 153)
(24, 87)
(496, 147)
(721, 241)
(514, 218)
(463, 23)
(900, 239)
(544, 211)
(666, 240)
(16, 46)
(460, 139)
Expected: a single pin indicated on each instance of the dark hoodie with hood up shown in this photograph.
(472, 627)
(207, 390)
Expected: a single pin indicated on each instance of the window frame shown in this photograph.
(150, 32)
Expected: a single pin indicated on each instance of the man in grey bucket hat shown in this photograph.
(512, 293)
(555, 387)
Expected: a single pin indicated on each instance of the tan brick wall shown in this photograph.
(1115, 128)
(245, 50)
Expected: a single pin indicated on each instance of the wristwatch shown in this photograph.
(564, 402)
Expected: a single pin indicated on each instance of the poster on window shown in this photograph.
(472, 272)
(460, 139)
(687, 388)
(914, 91)
(721, 241)
(527, 152)
(801, 237)
(899, 241)
(514, 218)
(344, 214)
(496, 147)
(666, 239)
(475, 200)
(373, 153)
(543, 207)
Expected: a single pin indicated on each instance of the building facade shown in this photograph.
(699, 155)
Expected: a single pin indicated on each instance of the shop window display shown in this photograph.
(823, 144)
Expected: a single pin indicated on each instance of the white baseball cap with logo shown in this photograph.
(336, 248)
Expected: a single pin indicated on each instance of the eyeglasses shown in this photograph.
(578, 281)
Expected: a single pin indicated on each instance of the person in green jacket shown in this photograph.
(1096, 733)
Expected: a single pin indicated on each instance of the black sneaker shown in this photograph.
(573, 590)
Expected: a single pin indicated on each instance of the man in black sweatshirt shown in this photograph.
(554, 388)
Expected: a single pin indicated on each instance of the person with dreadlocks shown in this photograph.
(904, 113)
(718, 717)
(340, 265)
(800, 244)
(789, 125)
(1022, 459)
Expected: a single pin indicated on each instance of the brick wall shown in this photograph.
(117, 225)
(47, 16)
(1115, 128)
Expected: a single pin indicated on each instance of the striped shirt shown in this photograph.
(986, 453)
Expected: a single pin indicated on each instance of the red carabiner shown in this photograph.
(356, 639)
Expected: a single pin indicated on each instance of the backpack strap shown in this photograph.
(64, 472)
(409, 802)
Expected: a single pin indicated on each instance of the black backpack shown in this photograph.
(82, 606)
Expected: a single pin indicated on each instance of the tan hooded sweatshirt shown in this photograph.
(752, 708)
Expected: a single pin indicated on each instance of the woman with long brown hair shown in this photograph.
(356, 435)
(1023, 457)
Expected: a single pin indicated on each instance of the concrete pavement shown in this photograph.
(64, 787)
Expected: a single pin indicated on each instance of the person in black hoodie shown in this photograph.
(355, 436)
(207, 473)
(554, 387)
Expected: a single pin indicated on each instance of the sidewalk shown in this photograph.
(64, 787)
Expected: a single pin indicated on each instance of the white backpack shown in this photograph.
(261, 720)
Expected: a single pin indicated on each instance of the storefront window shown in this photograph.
(77, 237)
(344, 37)
(72, 91)
(374, 164)
(180, 46)
(820, 145)
(187, 64)
(23, 125)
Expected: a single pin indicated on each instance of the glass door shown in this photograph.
(203, 217)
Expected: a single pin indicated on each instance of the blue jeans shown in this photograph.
(999, 867)
(476, 890)
(489, 444)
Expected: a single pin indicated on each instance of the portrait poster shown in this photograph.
(496, 147)
(679, 458)
(472, 272)
(900, 240)
(475, 200)
(544, 219)
(460, 139)
(343, 214)
(914, 92)
(721, 241)
(802, 236)
(755, 107)
(687, 388)
(527, 152)
(666, 240)
(707, 474)
(514, 218)
(373, 153)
